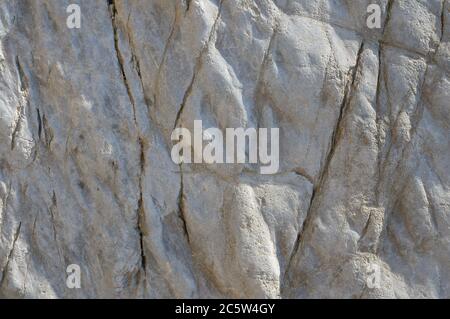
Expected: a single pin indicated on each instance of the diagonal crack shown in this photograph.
(10, 254)
(135, 60)
(260, 85)
(198, 65)
(164, 57)
(120, 59)
(349, 88)
(365, 230)
(303, 173)
(17, 125)
(181, 206)
(432, 210)
(416, 117)
(379, 39)
(20, 112)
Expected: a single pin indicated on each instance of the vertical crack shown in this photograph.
(48, 133)
(378, 123)
(8, 194)
(442, 20)
(51, 211)
(388, 16)
(188, 5)
(140, 209)
(441, 36)
(39, 122)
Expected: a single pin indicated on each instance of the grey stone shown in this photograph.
(86, 176)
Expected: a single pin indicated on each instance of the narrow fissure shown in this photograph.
(120, 59)
(20, 112)
(10, 255)
(181, 206)
(388, 16)
(198, 65)
(349, 87)
(140, 210)
(444, 2)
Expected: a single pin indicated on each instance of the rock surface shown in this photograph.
(86, 175)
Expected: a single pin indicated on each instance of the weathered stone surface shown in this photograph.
(86, 176)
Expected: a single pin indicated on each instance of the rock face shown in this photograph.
(360, 206)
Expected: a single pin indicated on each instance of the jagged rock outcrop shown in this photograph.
(86, 175)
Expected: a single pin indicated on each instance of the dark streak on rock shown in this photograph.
(181, 206)
(10, 255)
(198, 65)
(349, 87)
(120, 59)
(140, 209)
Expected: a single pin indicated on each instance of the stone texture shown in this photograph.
(85, 170)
